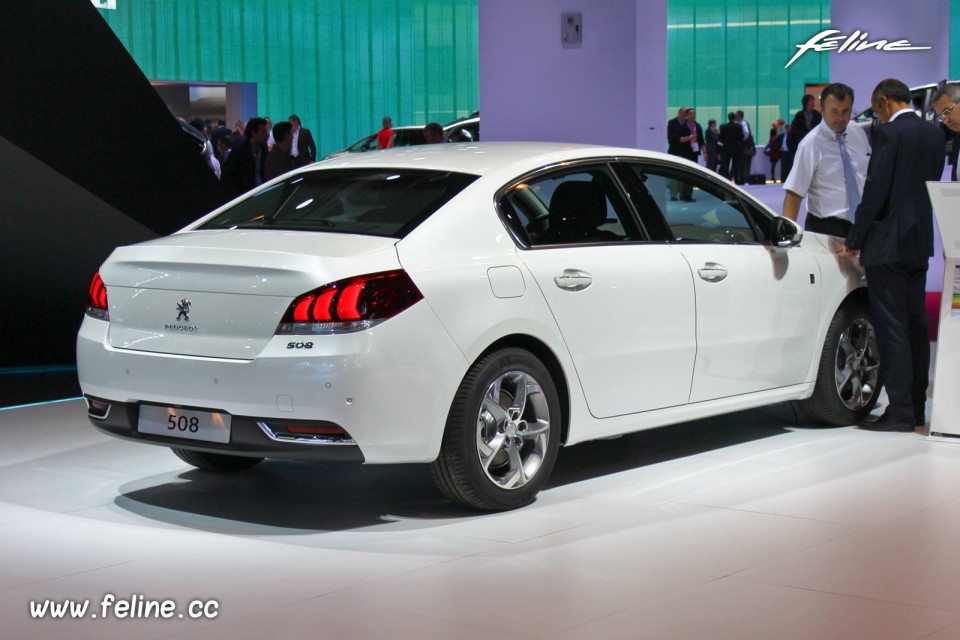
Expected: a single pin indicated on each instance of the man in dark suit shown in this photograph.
(676, 129)
(804, 121)
(303, 151)
(731, 139)
(244, 168)
(712, 140)
(692, 148)
(893, 235)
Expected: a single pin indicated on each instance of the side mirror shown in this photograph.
(785, 232)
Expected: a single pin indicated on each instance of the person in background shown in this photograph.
(208, 154)
(731, 139)
(244, 168)
(748, 149)
(830, 168)
(279, 161)
(224, 148)
(676, 129)
(270, 141)
(772, 150)
(712, 139)
(892, 234)
(239, 134)
(804, 121)
(786, 156)
(677, 145)
(693, 148)
(433, 133)
(945, 102)
(385, 135)
(303, 151)
(219, 133)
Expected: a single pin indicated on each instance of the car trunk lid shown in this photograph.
(222, 293)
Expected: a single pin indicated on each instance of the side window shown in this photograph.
(576, 206)
(696, 210)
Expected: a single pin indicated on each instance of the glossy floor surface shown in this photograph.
(752, 525)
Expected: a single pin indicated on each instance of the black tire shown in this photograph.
(521, 437)
(848, 378)
(215, 461)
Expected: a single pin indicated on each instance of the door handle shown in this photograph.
(573, 280)
(712, 272)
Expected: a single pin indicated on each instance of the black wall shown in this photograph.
(90, 158)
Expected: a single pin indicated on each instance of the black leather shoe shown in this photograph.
(890, 422)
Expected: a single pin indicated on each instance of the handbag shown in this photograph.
(749, 148)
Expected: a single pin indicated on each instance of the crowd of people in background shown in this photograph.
(728, 150)
(256, 151)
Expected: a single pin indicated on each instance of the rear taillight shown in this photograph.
(97, 299)
(354, 304)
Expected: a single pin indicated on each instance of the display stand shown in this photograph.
(945, 417)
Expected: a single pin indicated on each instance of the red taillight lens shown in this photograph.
(97, 298)
(353, 304)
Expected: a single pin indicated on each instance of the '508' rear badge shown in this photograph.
(183, 316)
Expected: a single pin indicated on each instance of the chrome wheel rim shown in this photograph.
(513, 429)
(857, 365)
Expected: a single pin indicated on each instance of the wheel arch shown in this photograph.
(550, 361)
(860, 295)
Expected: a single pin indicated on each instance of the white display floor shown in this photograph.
(746, 526)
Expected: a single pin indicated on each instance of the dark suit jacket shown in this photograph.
(799, 129)
(712, 138)
(306, 149)
(731, 135)
(676, 130)
(239, 174)
(894, 221)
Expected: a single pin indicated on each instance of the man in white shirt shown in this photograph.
(829, 168)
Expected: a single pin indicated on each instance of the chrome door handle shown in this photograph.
(712, 272)
(573, 280)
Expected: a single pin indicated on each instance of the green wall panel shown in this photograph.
(725, 55)
(341, 65)
(954, 39)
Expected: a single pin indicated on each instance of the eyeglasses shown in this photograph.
(947, 111)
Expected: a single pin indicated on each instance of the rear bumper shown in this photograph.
(389, 388)
(247, 438)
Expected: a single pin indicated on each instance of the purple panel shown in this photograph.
(922, 23)
(533, 87)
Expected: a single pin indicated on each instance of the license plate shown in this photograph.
(209, 426)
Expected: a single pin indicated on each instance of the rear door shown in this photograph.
(624, 305)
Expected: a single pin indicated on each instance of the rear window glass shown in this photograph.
(377, 202)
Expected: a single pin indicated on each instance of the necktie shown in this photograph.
(849, 177)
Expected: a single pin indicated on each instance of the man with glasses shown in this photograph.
(945, 102)
(893, 235)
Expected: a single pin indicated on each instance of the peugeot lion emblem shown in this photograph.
(184, 308)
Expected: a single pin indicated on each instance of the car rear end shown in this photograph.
(284, 326)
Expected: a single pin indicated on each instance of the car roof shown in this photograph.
(483, 158)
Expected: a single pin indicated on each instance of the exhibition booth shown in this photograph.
(515, 387)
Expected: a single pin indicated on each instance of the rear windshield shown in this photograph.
(374, 202)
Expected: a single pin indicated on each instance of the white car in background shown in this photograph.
(472, 307)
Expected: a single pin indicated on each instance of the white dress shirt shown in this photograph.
(295, 150)
(817, 172)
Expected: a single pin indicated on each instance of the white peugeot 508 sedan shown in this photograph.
(471, 307)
